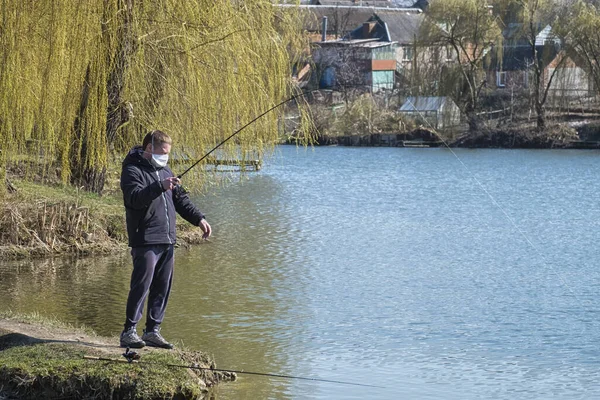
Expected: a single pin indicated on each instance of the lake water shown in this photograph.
(433, 274)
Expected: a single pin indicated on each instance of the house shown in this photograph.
(356, 63)
(402, 28)
(356, 25)
(571, 80)
(369, 3)
(513, 68)
(435, 112)
(418, 64)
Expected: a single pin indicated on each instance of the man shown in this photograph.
(152, 195)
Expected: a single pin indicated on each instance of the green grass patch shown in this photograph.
(43, 357)
(53, 370)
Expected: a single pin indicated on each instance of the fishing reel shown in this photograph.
(131, 356)
(179, 191)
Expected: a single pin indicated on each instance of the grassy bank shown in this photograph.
(52, 219)
(45, 359)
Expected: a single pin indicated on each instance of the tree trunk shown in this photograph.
(117, 111)
(473, 122)
(82, 175)
(541, 115)
(91, 179)
(539, 106)
(471, 113)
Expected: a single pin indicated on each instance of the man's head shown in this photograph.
(155, 141)
(157, 146)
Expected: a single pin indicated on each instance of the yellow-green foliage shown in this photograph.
(197, 69)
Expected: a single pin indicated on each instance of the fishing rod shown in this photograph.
(303, 93)
(133, 357)
(245, 126)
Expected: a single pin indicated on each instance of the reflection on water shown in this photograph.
(89, 291)
(238, 286)
(384, 266)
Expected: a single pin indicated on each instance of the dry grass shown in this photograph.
(38, 219)
(43, 219)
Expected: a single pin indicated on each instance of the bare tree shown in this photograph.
(470, 31)
(579, 26)
(545, 51)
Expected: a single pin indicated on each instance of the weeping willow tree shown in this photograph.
(469, 30)
(79, 78)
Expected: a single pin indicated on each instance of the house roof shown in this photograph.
(403, 27)
(433, 103)
(422, 4)
(516, 34)
(518, 58)
(342, 20)
(405, 3)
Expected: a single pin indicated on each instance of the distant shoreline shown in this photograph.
(554, 137)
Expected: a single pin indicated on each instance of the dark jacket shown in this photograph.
(150, 211)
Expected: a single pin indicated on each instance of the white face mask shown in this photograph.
(159, 160)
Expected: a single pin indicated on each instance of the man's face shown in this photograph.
(163, 148)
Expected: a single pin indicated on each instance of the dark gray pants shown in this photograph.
(151, 277)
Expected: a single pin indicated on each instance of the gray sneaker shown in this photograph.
(155, 339)
(130, 338)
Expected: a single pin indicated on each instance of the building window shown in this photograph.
(501, 78)
(407, 54)
(448, 53)
(526, 79)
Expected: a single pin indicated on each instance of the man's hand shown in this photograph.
(170, 183)
(205, 226)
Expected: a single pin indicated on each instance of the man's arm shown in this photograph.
(136, 194)
(191, 213)
(185, 207)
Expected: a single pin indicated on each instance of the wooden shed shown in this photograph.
(438, 112)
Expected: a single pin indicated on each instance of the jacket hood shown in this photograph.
(135, 157)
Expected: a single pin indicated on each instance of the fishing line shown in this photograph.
(136, 361)
(446, 145)
(506, 215)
